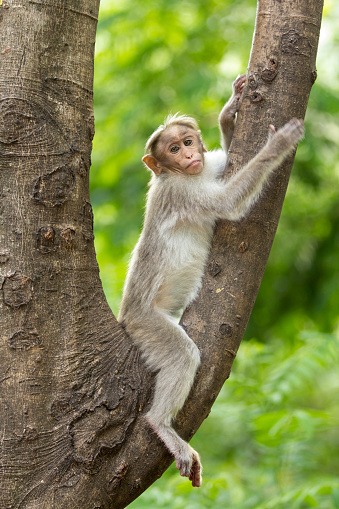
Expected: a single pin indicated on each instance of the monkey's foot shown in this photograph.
(190, 466)
(186, 458)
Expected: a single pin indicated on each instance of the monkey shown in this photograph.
(187, 194)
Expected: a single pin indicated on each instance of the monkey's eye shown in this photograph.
(188, 142)
(174, 149)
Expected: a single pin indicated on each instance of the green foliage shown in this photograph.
(272, 439)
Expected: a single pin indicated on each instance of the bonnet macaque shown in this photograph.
(186, 196)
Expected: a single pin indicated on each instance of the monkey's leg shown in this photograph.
(173, 384)
(169, 350)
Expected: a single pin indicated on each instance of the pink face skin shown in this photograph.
(181, 151)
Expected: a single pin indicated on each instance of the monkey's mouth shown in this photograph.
(194, 163)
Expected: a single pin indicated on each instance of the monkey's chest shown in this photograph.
(188, 246)
(188, 250)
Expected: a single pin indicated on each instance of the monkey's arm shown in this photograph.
(244, 188)
(227, 114)
(232, 199)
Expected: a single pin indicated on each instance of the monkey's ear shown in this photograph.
(204, 149)
(152, 163)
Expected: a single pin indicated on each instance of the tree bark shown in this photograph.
(73, 388)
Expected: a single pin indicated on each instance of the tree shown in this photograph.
(73, 387)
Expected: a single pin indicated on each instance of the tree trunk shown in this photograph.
(73, 388)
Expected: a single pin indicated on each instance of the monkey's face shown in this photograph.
(179, 150)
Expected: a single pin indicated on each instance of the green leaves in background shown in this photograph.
(272, 439)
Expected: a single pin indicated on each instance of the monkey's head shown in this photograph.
(176, 146)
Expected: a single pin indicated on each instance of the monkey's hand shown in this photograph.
(232, 106)
(287, 137)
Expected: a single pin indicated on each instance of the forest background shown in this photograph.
(272, 438)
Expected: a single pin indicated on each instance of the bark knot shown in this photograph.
(293, 42)
(45, 239)
(54, 188)
(4, 256)
(24, 340)
(226, 330)
(214, 268)
(17, 289)
(243, 247)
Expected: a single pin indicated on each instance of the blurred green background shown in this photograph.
(272, 438)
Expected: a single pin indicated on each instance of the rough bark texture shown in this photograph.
(73, 389)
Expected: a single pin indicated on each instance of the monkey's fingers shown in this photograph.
(240, 79)
(184, 466)
(272, 128)
(239, 83)
(293, 131)
(298, 125)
